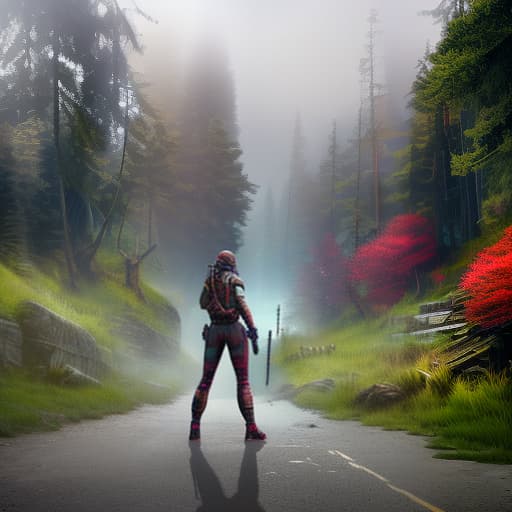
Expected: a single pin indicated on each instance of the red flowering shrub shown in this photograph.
(384, 268)
(437, 277)
(323, 280)
(488, 282)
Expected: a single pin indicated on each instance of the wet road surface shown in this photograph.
(143, 462)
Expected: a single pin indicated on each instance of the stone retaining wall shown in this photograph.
(43, 339)
(10, 344)
(50, 340)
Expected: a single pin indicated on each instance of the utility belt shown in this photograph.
(206, 327)
(224, 322)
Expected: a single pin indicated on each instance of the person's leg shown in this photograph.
(214, 346)
(239, 353)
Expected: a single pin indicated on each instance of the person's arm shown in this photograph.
(243, 307)
(245, 312)
(204, 300)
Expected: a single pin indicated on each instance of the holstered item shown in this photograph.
(206, 330)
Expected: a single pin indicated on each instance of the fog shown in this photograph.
(287, 58)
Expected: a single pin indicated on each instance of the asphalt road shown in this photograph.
(143, 462)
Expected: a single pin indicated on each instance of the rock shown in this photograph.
(51, 341)
(10, 344)
(379, 395)
(289, 391)
(319, 385)
(74, 377)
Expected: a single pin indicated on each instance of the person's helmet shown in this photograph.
(226, 260)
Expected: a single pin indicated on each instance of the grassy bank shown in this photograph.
(96, 306)
(29, 404)
(468, 420)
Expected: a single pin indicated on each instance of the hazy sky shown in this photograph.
(290, 56)
(287, 56)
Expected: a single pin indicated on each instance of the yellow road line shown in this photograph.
(417, 500)
(407, 494)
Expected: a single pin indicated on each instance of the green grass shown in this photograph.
(467, 420)
(473, 422)
(99, 306)
(96, 306)
(30, 404)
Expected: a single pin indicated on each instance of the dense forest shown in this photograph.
(390, 212)
(89, 163)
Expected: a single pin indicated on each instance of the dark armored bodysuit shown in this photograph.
(224, 299)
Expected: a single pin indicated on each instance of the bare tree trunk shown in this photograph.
(373, 121)
(87, 255)
(68, 250)
(418, 287)
(150, 222)
(132, 263)
(132, 276)
(132, 271)
(357, 213)
(333, 180)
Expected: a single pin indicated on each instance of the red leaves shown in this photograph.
(386, 265)
(323, 281)
(488, 281)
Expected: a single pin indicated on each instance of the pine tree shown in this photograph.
(60, 58)
(213, 195)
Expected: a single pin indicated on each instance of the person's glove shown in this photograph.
(252, 334)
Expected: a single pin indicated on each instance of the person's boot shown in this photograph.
(252, 433)
(195, 431)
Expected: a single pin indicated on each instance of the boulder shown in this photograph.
(379, 395)
(289, 391)
(69, 376)
(51, 341)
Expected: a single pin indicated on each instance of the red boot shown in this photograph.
(252, 433)
(195, 431)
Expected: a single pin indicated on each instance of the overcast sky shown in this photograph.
(290, 56)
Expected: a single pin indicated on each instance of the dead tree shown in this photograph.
(132, 263)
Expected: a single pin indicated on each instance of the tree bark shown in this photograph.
(68, 250)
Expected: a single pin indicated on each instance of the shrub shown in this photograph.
(323, 281)
(385, 266)
(488, 282)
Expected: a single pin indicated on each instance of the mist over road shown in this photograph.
(143, 462)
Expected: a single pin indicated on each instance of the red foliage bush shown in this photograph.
(488, 281)
(437, 277)
(385, 266)
(323, 282)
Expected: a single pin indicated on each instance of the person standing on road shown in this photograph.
(223, 297)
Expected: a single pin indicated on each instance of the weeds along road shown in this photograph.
(142, 462)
